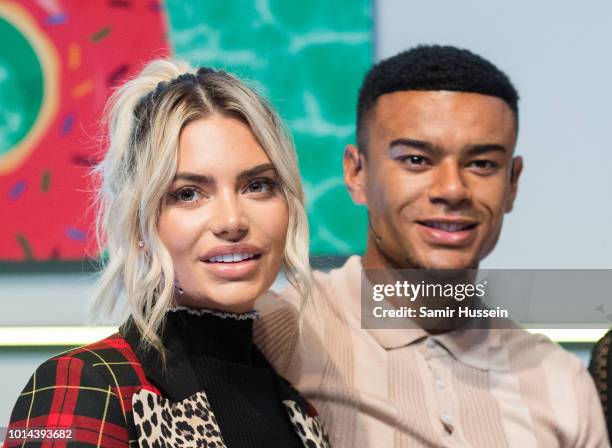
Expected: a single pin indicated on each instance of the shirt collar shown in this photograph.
(468, 345)
(223, 336)
(175, 377)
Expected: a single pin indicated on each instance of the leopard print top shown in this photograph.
(161, 423)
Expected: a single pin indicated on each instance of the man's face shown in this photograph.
(437, 178)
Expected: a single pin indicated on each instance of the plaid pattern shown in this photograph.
(89, 390)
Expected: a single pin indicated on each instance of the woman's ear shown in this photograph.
(354, 174)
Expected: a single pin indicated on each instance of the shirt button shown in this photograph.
(439, 383)
(447, 421)
(431, 343)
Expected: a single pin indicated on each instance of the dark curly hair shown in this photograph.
(432, 67)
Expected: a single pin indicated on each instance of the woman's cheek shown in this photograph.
(272, 223)
(180, 231)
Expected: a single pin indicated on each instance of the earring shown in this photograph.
(141, 244)
(179, 290)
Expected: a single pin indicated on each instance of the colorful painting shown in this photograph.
(309, 58)
(62, 62)
(64, 58)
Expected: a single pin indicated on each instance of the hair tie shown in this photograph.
(185, 77)
(203, 72)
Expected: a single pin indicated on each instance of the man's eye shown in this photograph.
(414, 160)
(484, 164)
(186, 195)
(261, 186)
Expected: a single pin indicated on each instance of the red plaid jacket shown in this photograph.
(87, 390)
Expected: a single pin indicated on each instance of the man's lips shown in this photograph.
(448, 232)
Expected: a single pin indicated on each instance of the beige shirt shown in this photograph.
(404, 388)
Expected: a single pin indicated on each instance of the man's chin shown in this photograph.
(429, 258)
(449, 263)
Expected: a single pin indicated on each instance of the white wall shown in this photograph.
(558, 55)
(31, 300)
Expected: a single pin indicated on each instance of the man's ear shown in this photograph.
(515, 174)
(354, 174)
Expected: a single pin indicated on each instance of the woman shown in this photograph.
(200, 205)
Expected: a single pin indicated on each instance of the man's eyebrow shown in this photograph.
(472, 150)
(416, 144)
(476, 150)
(256, 170)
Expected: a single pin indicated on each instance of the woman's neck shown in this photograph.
(215, 334)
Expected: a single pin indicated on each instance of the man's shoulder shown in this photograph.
(288, 324)
(329, 286)
(528, 349)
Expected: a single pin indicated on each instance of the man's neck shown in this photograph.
(375, 259)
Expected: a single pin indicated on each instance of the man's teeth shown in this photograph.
(230, 258)
(449, 226)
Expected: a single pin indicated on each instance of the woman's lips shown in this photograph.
(233, 270)
(452, 234)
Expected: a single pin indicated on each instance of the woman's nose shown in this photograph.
(229, 221)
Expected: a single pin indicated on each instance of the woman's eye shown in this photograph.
(261, 186)
(187, 195)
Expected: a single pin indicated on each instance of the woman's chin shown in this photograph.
(230, 302)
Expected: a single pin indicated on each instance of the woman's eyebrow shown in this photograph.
(256, 170)
(193, 177)
(204, 179)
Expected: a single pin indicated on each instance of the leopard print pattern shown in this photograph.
(310, 429)
(162, 423)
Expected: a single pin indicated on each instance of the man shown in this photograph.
(435, 167)
(600, 369)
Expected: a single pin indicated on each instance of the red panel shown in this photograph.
(46, 209)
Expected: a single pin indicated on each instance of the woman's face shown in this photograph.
(224, 220)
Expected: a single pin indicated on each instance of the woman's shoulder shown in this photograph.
(111, 360)
(87, 389)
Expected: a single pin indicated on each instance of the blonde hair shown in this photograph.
(145, 117)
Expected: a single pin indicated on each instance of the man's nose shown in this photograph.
(449, 185)
(229, 221)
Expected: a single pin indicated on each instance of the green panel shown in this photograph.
(308, 58)
(21, 86)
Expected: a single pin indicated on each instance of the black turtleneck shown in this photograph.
(244, 391)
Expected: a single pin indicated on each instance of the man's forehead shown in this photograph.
(438, 104)
(439, 114)
(440, 99)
